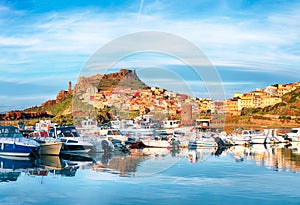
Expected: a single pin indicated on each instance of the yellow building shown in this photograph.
(269, 100)
(233, 106)
(247, 101)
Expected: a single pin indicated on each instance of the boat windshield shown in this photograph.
(113, 132)
(294, 131)
(10, 131)
(64, 132)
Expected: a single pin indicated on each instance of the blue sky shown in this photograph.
(44, 44)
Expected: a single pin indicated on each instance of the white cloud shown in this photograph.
(13, 41)
(56, 41)
(84, 32)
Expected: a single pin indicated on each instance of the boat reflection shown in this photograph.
(200, 154)
(137, 162)
(12, 167)
(278, 157)
(58, 165)
(116, 163)
(141, 162)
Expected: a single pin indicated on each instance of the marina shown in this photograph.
(256, 175)
(149, 102)
(184, 164)
(122, 165)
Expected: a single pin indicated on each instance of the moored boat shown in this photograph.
(156, 143)
(50, 148)
(199, 140)
(13, 143)
(48, 145)
(71, 141)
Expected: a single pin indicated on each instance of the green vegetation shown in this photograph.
(63, 119)
(104, 115)
(290, 106)
(59, 108)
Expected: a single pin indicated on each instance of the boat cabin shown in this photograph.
(89, 123)
(169, 124)
(63, 132)
(202, 124)
(10, 132)
(44, 125)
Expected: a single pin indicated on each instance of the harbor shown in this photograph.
(149, 102)
(157, 175)
(124, 161)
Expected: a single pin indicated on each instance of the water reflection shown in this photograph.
(11, 167)
(140, 162)
(278, 157)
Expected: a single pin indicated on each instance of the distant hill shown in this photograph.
(290, 106)
(124, 78)
(74, 102)
(61, 108)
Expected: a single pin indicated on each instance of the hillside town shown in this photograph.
(159, 100)
(129, 97)
(259, 98)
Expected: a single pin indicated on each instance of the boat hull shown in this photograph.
(157, 143)
(75, 148)
(50, 148)
(16, 149)
(202, 141)
(200, 144)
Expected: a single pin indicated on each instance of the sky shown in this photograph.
(45, 44)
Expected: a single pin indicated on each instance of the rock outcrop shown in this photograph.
(17, 115)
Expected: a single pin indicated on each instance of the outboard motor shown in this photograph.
(106, 145)
(220, 142)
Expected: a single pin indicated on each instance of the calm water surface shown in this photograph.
(239, 175)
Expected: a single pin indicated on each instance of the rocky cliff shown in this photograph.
(124, 78)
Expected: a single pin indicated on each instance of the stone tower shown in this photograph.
(186, 115)
(70, 86)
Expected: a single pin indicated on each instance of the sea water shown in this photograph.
(238, 175)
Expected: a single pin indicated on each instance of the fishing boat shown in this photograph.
(71, 141)
(48, 145)
(13, 143)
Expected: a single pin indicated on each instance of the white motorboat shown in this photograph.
(268, 136)
(294, 135)
(13, 143)
(72, 142)
(199, 140)
(161, 143)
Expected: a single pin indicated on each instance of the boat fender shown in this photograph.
(2, 146)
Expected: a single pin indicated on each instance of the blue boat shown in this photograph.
(13, 143)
